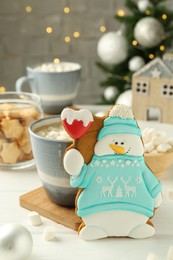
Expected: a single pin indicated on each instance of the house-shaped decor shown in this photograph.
(152, 88)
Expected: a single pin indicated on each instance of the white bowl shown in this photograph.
(158, 163)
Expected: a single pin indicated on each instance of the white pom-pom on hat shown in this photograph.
(121, 111)
(120, 120)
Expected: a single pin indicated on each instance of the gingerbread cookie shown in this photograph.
(118, 192)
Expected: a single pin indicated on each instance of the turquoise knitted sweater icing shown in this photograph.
(118, 182)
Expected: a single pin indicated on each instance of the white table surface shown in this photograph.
(67, 244)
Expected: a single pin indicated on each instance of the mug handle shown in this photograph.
(20, 83)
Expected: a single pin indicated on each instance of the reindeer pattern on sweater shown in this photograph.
(116, 183)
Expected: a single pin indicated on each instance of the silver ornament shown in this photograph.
(112, 48)
(15, 242)
(149, 32)
(110, 93)
(136, 63)
(143, 5)
(125, 98)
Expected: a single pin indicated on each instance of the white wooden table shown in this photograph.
(68, 245)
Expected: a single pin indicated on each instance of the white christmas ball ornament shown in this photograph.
(148, 32)
(112, 48)
(125, 98)
(136, 63)
(110, 93)
(15, 242)
(143, 5)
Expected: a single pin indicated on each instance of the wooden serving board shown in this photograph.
(37, 200)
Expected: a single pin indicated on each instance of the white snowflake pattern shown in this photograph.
(97, 163)
(119, 161)
(99, 179)
(112, 163)
(138, 179)
(122, 165)
(103, 161)
(107, 165)
(127, 162)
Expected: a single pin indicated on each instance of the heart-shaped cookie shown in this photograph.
(76, 122)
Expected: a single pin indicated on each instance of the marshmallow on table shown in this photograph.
(170, 253)
(152, 256)
(34, 218)
(49, 233)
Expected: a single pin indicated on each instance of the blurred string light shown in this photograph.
(2, 89)
(76, 34)
(134, 42)
(102, 28)
(151, 56)
(28, 9)
(66, 10)
(162, 47)
(67, 39)
(121, 13)
(56, 60)
(126, 78)
(164, 16)
(49, 29)
(148, 12)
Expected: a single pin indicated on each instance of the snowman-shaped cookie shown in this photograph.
(119, 192)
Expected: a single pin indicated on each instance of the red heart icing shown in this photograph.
(76, 122)
(76, 129)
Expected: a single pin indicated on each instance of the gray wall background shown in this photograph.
(24, 41)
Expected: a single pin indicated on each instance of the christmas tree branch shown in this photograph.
(131, 5)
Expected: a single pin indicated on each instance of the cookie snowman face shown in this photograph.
(124, 144)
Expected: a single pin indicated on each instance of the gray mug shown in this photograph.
(56, 89)
(48, 155)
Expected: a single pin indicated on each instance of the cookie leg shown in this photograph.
(92, 233)
(142, 231)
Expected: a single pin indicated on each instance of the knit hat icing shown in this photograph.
(120, 121)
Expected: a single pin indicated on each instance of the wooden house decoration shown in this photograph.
(152, 90)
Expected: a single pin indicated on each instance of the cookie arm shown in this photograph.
(83, 179)
(152, 183)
